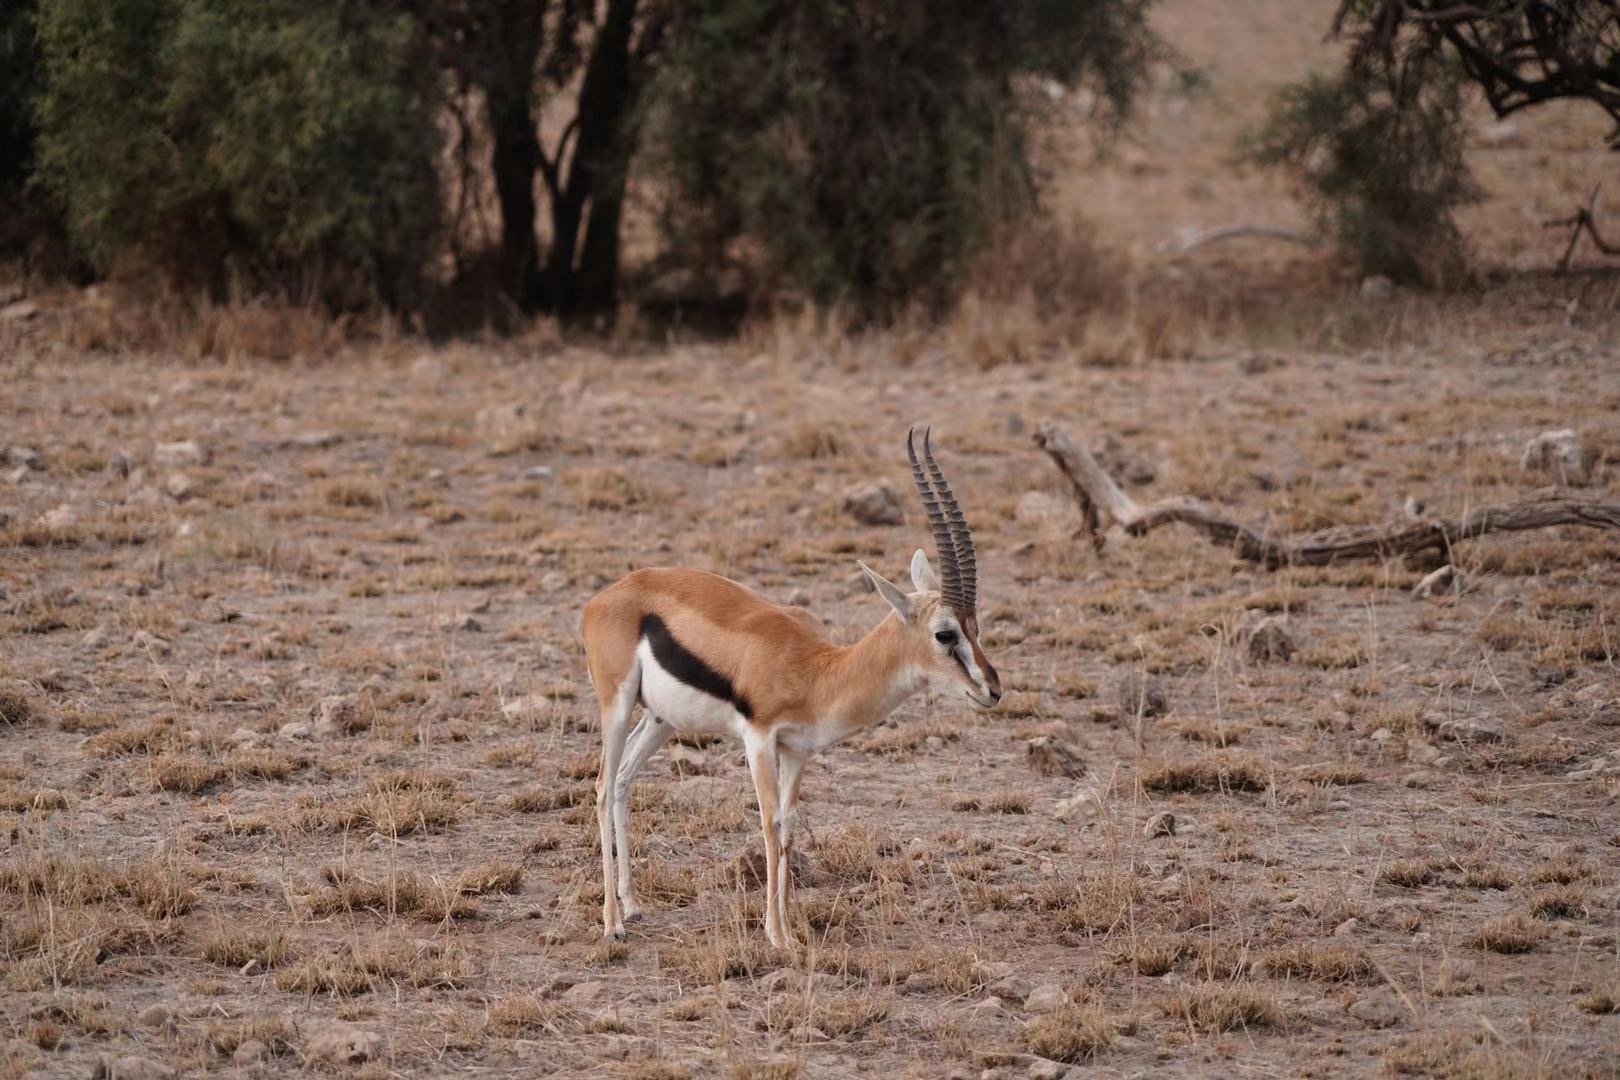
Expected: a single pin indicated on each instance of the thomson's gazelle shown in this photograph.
(701, 653)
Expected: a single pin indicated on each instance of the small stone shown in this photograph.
(1268, 639)
(538, 472)
(179, 486)
(1086, 802)
(1347, 928)
(189, 452)
(1013, 988)
(872, 503)
(296, 730)
(1046, 1069)
(338, 1042)
(920, 982)
(96, 637)
(554, 580)
(315, 440)
(59, 517)
(1141, 695)
(336, 714)
(1376, 287)
(1049, 757)
(1470, 731)
(1381, 735)
(1378, 1009)
(587, 993)
(1122, 463)
(685, 761)
(1421, 752)
(26, 456)
(464, 622)
(249, 1052)
(150, 643)
(799, 597)
(1161, 824)
(155, 1016)
(1045, 998)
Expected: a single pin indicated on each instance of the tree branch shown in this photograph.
(1096, 490)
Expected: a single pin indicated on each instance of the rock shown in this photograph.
(538, 472)
(150, 643)
(1268, 639)
(920, 982)
(59, 517)
(1049, 757)
(1421, 752)
(527, 707)
(296, 730)
(337, 1042)
(1122, 463)
(1140, 694)
(315, 440)
(19, 311)
(96, 637)
(1378, 1009)
(1014, 988)
(1047, 1069)
(587, 993)
(1045, 998)
(1347, 928)
(1376, 287)
(1559, 454)
(1085, 802)
(1501, 135)
(799, 597)
(1161, 824)
(336, 714)
(462, 622)
(554, 580)
(872, 503)
(189, 452)
(180, 486)
(130, 1067)
(1447, 580)
(249, 1052)
(1467, 731)
(155, 1016)
(25, 456)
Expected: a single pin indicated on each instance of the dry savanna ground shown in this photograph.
(296, 742)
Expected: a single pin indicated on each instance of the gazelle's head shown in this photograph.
(941, 615)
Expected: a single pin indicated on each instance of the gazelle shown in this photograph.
(702, 653)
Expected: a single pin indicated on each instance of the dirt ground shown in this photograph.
(297, 746)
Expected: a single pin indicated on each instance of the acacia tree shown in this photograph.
(1378, 147)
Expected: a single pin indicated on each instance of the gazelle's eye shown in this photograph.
(946, 637)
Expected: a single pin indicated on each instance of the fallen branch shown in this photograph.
(1583, 220)
(1100, 496)
(1196, 239)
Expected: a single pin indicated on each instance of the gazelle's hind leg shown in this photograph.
(649, 735)
(615, 731)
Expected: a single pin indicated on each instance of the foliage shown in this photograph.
(867, 149)
(1382, 175)
(285, 144)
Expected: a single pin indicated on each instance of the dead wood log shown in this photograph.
(1100, 497)
(1194, 239)
(1583, 220)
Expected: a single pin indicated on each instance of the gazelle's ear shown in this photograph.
(922, 573)
(889, 591)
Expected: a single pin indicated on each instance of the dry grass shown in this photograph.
(1215, 772)
(394, 805)
(1072, 1033)
(836, 1016)
(1215, 1007)
(1323, 963)
(1509, 934)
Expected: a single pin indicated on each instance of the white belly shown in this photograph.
(681, 706)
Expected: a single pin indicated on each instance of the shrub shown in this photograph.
(1380, 168)
(861, 152)
(243, 145)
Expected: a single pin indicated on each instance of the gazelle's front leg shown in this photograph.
(790, 770)
(762, 764)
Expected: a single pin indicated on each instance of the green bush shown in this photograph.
(863, 151)
(244, 145)
(1381, 173)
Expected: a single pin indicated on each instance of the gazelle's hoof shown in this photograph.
(633, 914)
(613, 933)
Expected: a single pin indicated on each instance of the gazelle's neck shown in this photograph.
(866, 681)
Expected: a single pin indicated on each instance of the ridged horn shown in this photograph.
(967, 567)
(950, 574)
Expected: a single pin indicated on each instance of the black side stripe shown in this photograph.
(674, 658)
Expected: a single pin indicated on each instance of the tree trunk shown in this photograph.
(578, 281)
(516, 35)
